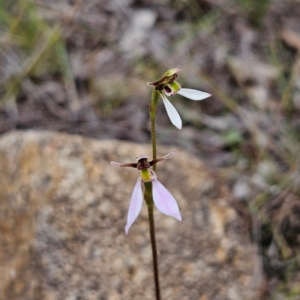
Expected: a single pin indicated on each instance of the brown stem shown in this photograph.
(154, 251)
(149, 201)
(148, 193)
(153, 139)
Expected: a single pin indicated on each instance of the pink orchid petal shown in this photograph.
(135, 204)
(164, 201)
(172, 113)
(193, 94)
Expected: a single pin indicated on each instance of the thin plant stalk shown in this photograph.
(152, 111)
(149, 200)
(148, 194)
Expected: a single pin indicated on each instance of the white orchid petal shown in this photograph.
(172, 113)
(135, 204)
(164, 201)
(193, 94)
(169, 155)
(116, 164)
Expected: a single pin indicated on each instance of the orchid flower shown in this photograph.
(167, 86)
(162, 198)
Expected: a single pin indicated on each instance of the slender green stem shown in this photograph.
(153, 139)
(149, 201)
(154, 101)
(154, 251)
(148, 193)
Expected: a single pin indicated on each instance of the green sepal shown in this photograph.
(166, 78)
(170, 73)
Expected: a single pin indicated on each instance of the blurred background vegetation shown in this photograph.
(81, 66)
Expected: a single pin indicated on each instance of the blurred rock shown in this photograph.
(254, 76)
(222, 123)
(251, 69)
(265, 173)
(141, 22)
(241, 189)
(63, 213)
(258, 95)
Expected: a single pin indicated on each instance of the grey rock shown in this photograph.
(63, 210)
